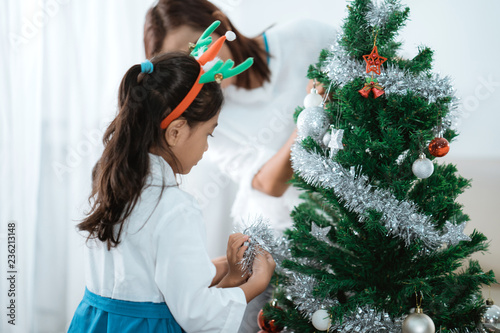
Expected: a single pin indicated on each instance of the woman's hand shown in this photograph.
(235, 249)
(319, 87)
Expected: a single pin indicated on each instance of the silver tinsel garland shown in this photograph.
(466, 330)
(341, 68)
(261, 238)
(398, 81)
(365, 320)
(300, 291)
(282, 251)
(401, 218)
(379, 11)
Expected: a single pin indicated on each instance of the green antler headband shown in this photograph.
(211, 68)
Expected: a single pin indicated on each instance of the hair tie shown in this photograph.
(147, 67)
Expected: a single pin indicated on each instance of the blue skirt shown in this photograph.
(98, 314)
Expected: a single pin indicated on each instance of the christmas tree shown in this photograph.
(379, 236)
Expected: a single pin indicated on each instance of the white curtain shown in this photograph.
(62, 62)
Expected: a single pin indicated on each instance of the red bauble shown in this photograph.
(268, 326)
(439, 147)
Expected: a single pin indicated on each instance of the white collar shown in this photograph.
(161, 172)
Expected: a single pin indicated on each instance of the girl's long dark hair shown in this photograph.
(167, 15)
(144, 100)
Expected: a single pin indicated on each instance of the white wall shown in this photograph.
(481, 202)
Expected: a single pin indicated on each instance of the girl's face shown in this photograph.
(189, 143)
(179, 39)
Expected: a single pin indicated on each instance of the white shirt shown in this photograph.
(255, 124)
(162, 257)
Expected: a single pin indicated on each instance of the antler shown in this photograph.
(222, 70)
(204, 40)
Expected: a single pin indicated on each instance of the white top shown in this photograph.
(255, 124)
(162, 257)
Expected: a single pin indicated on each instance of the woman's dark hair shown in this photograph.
(144, 100)
(168, 15)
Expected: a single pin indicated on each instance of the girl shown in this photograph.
(148, 269)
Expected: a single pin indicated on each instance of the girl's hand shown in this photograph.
(235, 249)
(263, 269)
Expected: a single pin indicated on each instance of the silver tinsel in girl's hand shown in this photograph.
(261, 238)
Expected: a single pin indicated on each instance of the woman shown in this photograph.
(256, 128)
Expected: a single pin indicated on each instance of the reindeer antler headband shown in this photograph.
(211, 68)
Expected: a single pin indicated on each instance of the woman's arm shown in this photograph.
(272, 179)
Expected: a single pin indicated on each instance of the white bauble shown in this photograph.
(321, 320)
(491, 318)
(422, 167)
(312, 122)
(313, 99)
(326, 138)
(418, 322)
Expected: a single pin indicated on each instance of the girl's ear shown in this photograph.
(176, 131)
